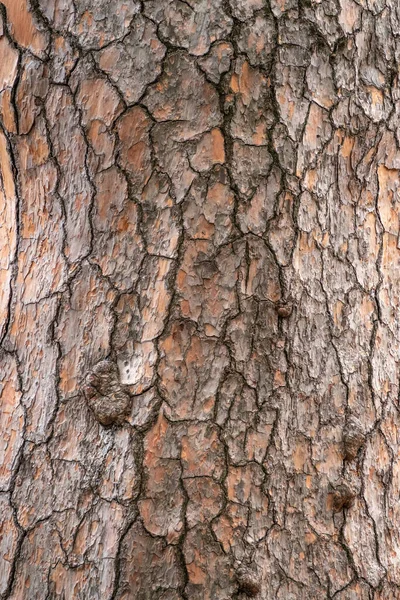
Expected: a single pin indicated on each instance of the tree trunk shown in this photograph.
(200, 296)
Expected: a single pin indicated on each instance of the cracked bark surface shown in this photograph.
(199, 274)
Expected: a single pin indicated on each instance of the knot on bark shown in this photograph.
(105, 395)
(342, 497)
(353, 438)
(247, 583)
(284, 309)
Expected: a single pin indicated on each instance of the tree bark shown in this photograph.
(200, 296)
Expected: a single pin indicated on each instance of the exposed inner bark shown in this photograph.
(200, 294)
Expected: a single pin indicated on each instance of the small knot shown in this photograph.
(353, 438)
(284, 310)
(343, 497)
(104, 394)
(247, 583)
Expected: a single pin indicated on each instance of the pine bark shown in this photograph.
(199, 299)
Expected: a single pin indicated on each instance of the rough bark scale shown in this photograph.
(200, 295)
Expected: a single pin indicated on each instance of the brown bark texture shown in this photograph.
(199, 299)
